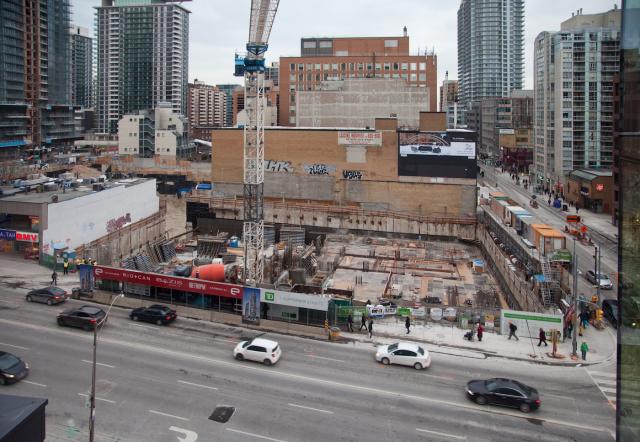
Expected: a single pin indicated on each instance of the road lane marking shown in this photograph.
(99, 363)
(98, 398)
(165, 352)
(197, 385)
(168, 415)
(144, 326)
(255, 435)
(311, 409)
(14, 346)
(602, 373)
(326, 359)
(35, 383)
(437, 433)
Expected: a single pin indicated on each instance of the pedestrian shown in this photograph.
(512, 331)
(480, 332)
(542, 338)
(577, 208)
(370, 328)
(54, 278)
(65, 268)
(363, 324)
(350, 323)
(584, 348)
(569, 329)
(584, 317)
(407, 324)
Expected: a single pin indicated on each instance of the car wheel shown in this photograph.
(385, 361)
(49, 302)
(29, 299)
(267, 362)
(159, 322)
(417, 366)
(525, 408)
(239, 357)
(86, 327)
(61, 322)
(134, 317)
(481, 400)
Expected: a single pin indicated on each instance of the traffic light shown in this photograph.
(599, 314)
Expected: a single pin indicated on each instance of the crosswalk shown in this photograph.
(606, 382)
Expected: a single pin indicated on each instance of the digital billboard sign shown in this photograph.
(450, 154)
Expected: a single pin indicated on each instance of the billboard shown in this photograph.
(359, 138)
(251, 306)
(450, 154)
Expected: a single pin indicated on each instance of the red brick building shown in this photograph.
(324, 59)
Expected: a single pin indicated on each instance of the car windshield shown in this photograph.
(8, 361)
(392, 347)
(603, 277)
(246, 344)
(275, 349)
(420, 351)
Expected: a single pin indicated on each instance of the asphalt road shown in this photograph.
(163, 383)
(550, 216)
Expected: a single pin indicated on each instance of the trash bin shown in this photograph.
(334, 333)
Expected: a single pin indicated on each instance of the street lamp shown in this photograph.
(92, 397)
(574, 346)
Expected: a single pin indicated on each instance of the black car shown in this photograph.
(156, 313)
(47, 295)
(85, 317)
(12, 368)
(504, 392)
(610, 311)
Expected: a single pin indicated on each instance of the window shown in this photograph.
(391, 43)
(404, 66)
(423, 66)
(342, 53)
(257, 348)
(422, 77)
(309, 67)
(300, 66)
(414, 77)
(292, 77)
(414, 66)
(326, 44)
(396, 66)
(309, 44)
(387, 66)
(318, 66)
(334, 66)
(325, 66)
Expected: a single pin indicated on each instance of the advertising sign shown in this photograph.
(346, 138)
(168, 282)
(9, 235)
(27, 236)
(450, 154)
(302, 300)
(251, 306)
(530, 323)
(85, 272)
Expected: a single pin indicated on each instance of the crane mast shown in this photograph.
(263, 13)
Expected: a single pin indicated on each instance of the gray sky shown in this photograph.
(219, 28)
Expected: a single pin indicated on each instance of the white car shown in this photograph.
(404, 353)
(259, 350)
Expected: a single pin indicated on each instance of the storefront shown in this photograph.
(24, 243)
(591, 190)
(304, 308)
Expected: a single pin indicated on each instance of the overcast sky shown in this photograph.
(218, 28)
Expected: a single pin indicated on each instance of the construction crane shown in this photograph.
(251, 66)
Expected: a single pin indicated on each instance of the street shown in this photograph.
(555, 218)
(164, 383)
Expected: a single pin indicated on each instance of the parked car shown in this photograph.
(260, 350)
(504, 392)
(610, 311)
(12, 368)
(47, 295)
(605, 282)
(404, 353)
(85, 317)
(156, 313)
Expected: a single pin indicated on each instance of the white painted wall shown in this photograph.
(166, 143)
(84, 219)
(128, 135)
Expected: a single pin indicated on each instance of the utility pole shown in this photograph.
(574, 336)
(596, 264)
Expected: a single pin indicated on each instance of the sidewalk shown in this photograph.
(442, 337)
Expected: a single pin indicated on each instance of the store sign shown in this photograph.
(359, 138)
(530, 323)
(8, 235)
(168, 282)
(301, 300)
(27, 236)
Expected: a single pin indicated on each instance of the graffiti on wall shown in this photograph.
(277, 166)
(118, 223)
(352, 174)
(320, 169)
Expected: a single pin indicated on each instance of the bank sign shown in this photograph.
(530, 323)
(14, 235)
(300, 300)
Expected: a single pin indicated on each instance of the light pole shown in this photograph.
(574, 336)
(92, 397)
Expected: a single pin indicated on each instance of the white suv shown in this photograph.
(259, 350)
(404, 353)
